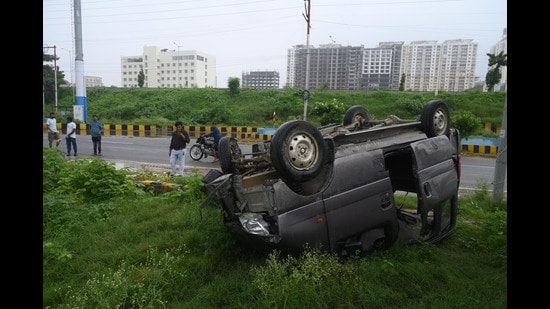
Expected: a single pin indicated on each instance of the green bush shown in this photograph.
(329, 112)
(466, 122)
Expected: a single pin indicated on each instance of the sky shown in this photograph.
(248, 35)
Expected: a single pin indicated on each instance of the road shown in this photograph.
(152, 152)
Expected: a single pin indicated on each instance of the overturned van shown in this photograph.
(334, 187)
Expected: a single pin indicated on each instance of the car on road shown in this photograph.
(334, 187)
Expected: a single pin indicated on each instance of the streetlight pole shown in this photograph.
(307, 17)
(54, 72)
(179, 82)
(72, 83)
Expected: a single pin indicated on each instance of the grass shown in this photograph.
(146, 250)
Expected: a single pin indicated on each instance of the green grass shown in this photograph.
(255, 107)
(145, 250)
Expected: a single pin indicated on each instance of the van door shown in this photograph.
(437, 186)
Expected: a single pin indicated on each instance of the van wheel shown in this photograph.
(357, 115)
(435, 118)
(298, 151)
(228, 150)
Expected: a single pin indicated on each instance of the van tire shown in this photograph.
(298, 151)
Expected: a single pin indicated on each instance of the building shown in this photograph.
(501, 46)
(163, 68)
(260, 80)
(425, 66)
(93, 81)
(381, 67)
(333, 66)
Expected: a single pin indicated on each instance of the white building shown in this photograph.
(501, 46)
(429, 66)
(93, 81)
(165, 68)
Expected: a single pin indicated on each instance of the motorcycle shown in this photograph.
(204, 147)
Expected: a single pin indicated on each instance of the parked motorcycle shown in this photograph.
(204, 147)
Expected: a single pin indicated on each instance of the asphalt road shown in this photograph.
(152, 153)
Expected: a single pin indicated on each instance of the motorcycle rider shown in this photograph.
(215, 132)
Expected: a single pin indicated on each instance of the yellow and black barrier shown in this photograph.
(159, 131)
(236, 132)
(480, 149)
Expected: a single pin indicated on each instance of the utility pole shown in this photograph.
(501, 161)
(179, 82)
(54, 75)
(307, 17)
(72, 74)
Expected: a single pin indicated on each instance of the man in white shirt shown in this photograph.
(71, 136)
(53, 134)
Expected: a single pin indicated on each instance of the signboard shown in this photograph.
(78, 112)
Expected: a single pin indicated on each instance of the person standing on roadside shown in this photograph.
(71, 136)
(217, 135)
(53, 133)
(176, 151)
(96, 129)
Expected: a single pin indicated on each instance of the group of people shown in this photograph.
(96, 130)
(176, 151)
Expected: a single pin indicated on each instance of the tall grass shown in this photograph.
(138, 249)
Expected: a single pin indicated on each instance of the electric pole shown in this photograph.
(307, 17)
(501, 161)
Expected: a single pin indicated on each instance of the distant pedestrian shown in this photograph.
(176, 151)
(71, 136)
(96, 129)
(53, 133)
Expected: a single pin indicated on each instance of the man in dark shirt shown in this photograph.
(179, 140)
(215, 132)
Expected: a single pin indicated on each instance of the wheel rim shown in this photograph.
(195, 152)
(302, 152)
(440, 121)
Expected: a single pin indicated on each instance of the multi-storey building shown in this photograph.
(501, 46)
(93, 81)
(260, 80)
(420, 65)
(332, 65)
(381, 66)
(429, 66)
(165, 68)
(426, 65)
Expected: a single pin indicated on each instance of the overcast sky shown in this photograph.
(248, 35)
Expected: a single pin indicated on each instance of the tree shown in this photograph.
(141, 78)
(402, 82)
(233, 85)
(493, 74)
(48, 77)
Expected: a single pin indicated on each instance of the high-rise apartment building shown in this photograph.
(457, 65)
(260, 80)
(381, 66)
(501, 46)
(165, 68)
(332, 65)
(426, 65)
(429, 66)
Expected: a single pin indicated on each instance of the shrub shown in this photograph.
(466, 122)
